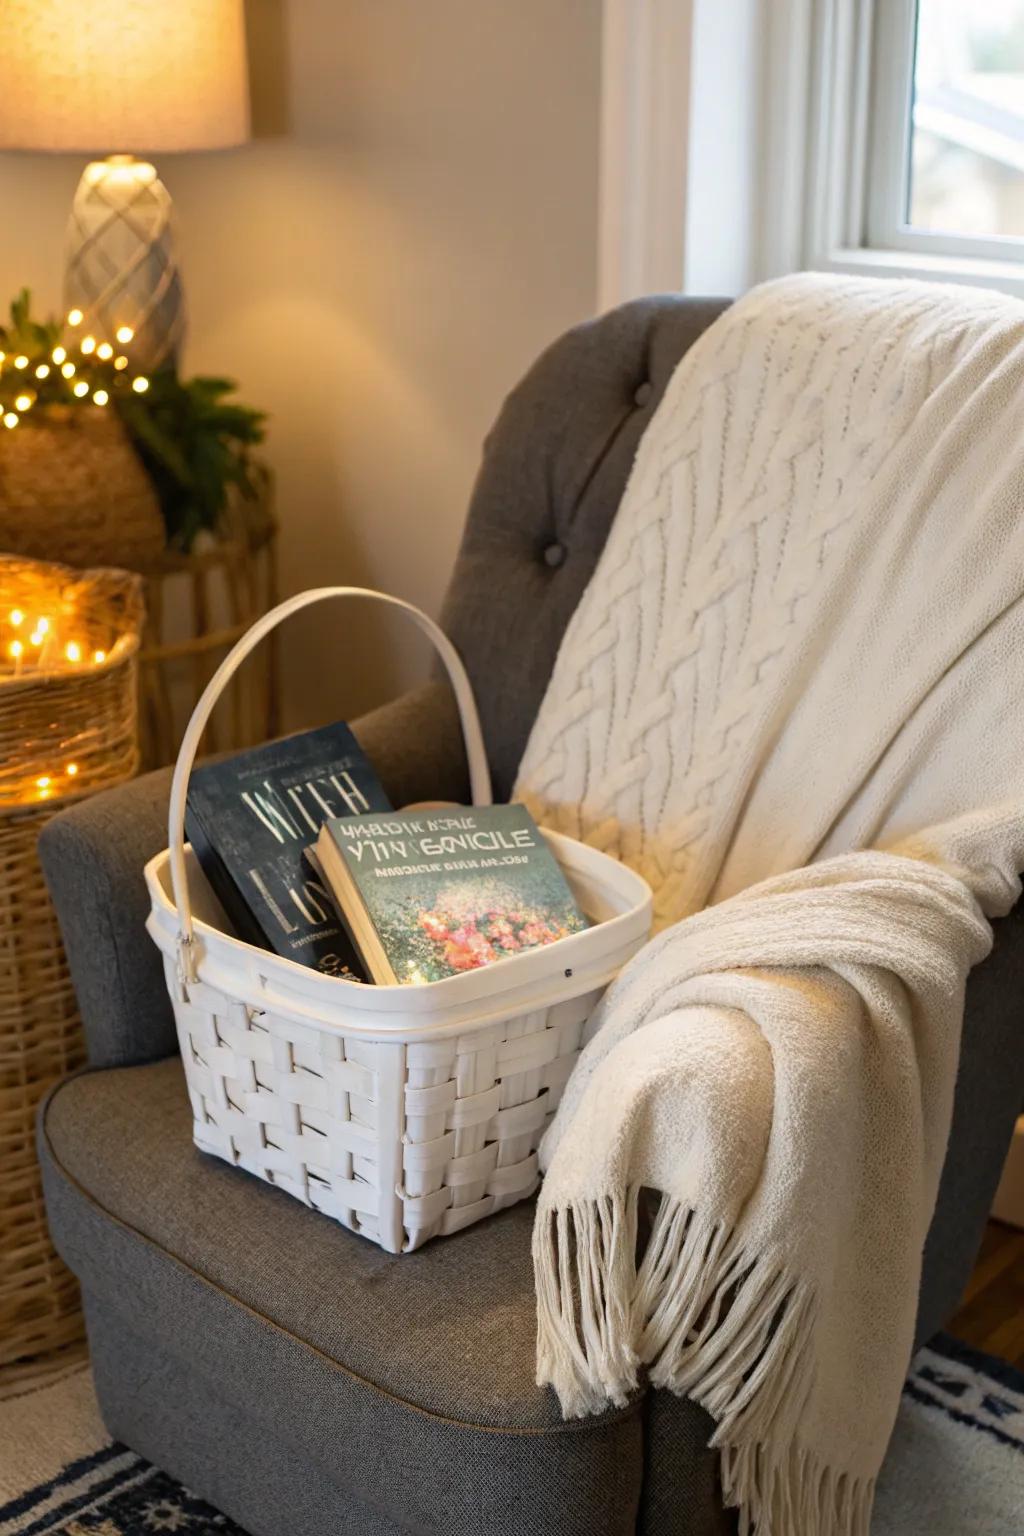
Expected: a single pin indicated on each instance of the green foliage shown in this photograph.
(195, 444)
(34, 338)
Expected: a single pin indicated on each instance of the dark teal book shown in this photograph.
(249, 820)
(430, 894)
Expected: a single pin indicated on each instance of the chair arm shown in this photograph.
(989, 1096)
(93, 856)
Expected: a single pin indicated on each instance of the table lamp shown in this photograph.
(116, 78)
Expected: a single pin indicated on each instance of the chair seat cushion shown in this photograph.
(408, 1378)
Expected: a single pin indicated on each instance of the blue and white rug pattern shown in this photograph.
(61, 1475)
(956, 1463)
(955, 1468)
(112, 1493)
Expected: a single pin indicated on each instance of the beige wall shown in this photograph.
(417, 219)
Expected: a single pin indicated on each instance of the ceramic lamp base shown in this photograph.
(122, 266)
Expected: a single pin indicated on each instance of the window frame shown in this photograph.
(837, 98)
(888, 186)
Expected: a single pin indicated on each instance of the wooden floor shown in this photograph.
(991, 1315)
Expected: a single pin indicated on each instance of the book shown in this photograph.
(431, 894)
(249, 820)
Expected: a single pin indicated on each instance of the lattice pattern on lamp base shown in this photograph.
(122, 264)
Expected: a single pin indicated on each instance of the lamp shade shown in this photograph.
(116, 76)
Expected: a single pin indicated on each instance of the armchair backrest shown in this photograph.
(554, 468)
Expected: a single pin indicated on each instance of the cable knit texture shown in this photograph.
(790, 697)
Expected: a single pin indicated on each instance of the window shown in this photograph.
(947, 128)
(967, 129)
(743, 139)
(908, 123)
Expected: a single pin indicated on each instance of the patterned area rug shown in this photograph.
(956, 1466)
(60, 1472)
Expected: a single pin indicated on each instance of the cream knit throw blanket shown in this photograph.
(792, 698)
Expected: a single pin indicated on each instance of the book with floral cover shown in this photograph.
(429, 894)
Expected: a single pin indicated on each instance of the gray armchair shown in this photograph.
(299, 1378)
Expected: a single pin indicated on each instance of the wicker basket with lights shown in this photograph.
(69, 644)
(72, 485)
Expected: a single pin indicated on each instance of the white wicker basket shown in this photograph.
(404, 1112)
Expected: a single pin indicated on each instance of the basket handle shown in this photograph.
(479, 776)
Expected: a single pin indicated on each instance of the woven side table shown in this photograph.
(69, 644)
(197, 606)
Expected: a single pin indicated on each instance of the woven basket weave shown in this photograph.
(72, 488)
(50, 718)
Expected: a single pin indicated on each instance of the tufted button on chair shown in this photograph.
(298, 1377)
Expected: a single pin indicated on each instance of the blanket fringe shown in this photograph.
(793, 1495)
(712, 1322)
(584, 1267)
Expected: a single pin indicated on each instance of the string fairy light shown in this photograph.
(45, 646)
(42, 627)
(96, 374)
(55, 625)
